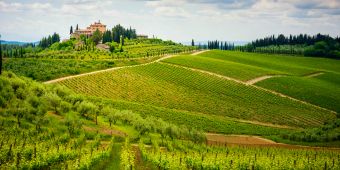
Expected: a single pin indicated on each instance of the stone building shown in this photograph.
(89, 30)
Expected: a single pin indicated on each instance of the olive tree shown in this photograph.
(87, 108)
(54, 101)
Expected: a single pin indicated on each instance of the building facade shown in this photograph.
(89, 30)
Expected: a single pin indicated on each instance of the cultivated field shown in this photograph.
(182, 89)
(246, 66)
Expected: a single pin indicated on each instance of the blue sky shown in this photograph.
(178, 20)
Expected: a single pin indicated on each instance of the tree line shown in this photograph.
(220, 45)
(16, 51)
(49, 40)
(301, 39)
(117, 32)
(316, 46)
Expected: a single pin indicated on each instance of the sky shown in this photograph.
(177, 20)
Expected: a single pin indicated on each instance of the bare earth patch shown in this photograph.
(258, 79)
(256, 141)
(105, 131)
(314, 74)
(237, 139)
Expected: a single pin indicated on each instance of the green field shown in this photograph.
(51, 127)
(207, 123)
(181, 155)
(177, 88)
(52, 63)
(227, 68)
(245, 66)
(166, 106)
(323, 91)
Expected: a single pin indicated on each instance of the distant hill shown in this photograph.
(16, 42)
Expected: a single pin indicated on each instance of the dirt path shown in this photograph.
(244, 83)
(314, 74)
(261, 78)
(116, 68)
(258, 79)
(199, 52)
(265, 124)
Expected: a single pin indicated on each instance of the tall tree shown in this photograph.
(97, 37)
(0, 56)
(192, 42)
(107, 36)
(71, 30)
(77, 28)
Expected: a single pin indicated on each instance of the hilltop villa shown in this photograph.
(89, 30)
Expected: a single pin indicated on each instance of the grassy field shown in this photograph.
(177, 88)
(264, 63)
(322, 91)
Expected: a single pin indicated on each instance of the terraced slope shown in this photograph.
(178, 88)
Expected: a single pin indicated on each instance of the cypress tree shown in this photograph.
(71, 30)
(0, 56)
(192, 42)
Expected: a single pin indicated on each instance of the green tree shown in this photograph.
(0, 56)
(192, 42)
(107, 36)
(54, 101)
(19, 109)
(40, 115)
(86, 109)
(97, 37)
(71, 30)
(111, 114)
(73, 122)
(117, 32)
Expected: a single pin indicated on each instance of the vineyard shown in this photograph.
(183, 155)
(208, 123)
(288, 64)
(47, 69)
(321, 89)
(178, 88)
(134, 48)
(319, 92)
(29, 149)
(51, 64)
(167, 109)
(227, 68)
(50, 127)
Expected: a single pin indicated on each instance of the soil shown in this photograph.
(256, 141)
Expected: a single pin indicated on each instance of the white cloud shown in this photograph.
(173, 19)
(17, 7)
